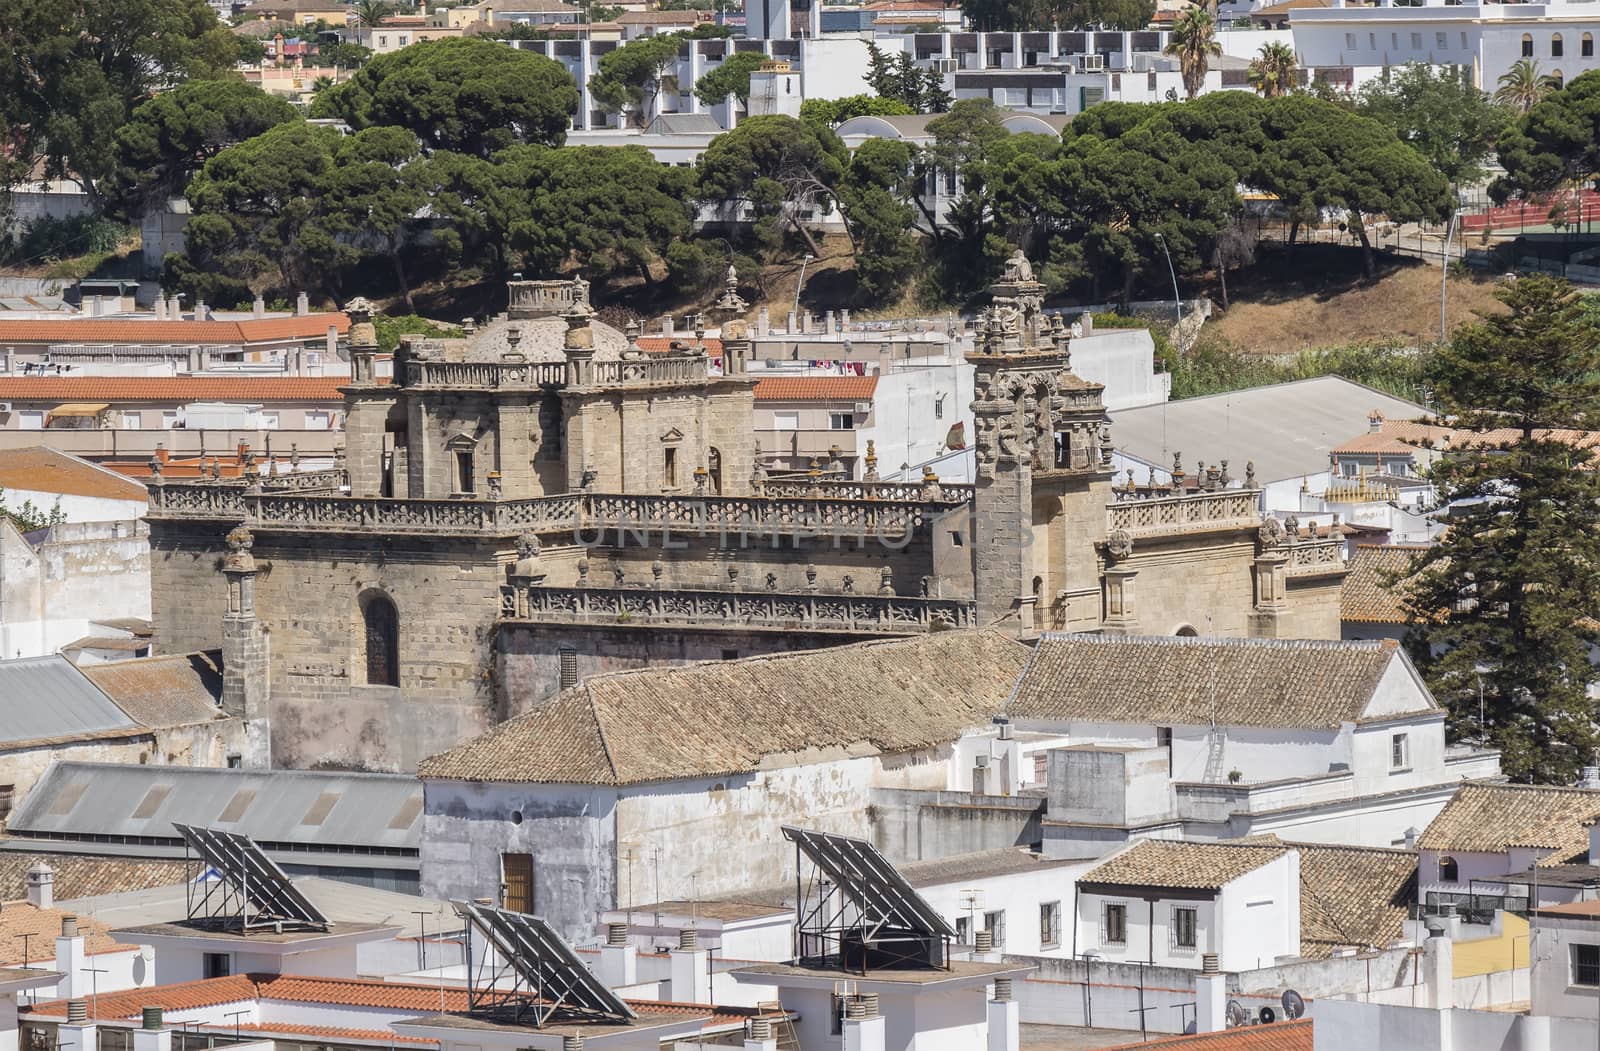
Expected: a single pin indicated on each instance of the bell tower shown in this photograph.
(1039, 430)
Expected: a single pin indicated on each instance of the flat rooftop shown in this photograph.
(958, 971)
(264, 935)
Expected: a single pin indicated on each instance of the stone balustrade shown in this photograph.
(1309, 558)
(808, 611)
(588, 517)
(493, 375)
(834, 489)
(663, 368)
(331, 480)
(1188, 513)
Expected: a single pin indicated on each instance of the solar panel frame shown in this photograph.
(859, 870)
(261, 887)
(546, 963)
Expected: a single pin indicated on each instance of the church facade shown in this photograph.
(542, 500)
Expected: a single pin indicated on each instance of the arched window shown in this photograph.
(1527, 45)
(1556, 46)
(1558, 80)
(1187, 632)
(1586, 45)
(380, 624)
(1449, 871)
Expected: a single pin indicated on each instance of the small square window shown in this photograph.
(1416, 41)
(216, 965)
(1586, 965)
(1050, 924)
(841, 421)
(1441, 40)
(1350, 41)
(1400, 751)
(1114, 925)
(995, 924)
(1185, 925)
(963, 930)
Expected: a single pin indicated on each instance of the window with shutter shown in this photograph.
(516, 872)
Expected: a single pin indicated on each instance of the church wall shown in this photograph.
(1313, 611)
(187, 593)
(624, 435)
(528, 671)
(1181, 582)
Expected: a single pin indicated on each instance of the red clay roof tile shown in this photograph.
(817, 388)
(125, 389)
(114, 330)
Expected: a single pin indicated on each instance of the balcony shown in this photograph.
(1200, 512)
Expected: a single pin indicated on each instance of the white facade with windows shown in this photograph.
(1488, 39)
(1564, 958)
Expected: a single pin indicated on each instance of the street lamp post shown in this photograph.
(1444, 269)
(1177, 301)
(800, 283)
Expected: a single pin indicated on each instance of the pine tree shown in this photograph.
(1508, 603)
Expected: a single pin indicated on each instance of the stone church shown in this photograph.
(541, 500)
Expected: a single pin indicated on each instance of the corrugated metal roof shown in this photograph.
(46, 697)
(270, 806)
(1286, 429)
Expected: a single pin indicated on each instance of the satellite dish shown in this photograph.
(1266, 1016)
(1294, 1005)
(1236, 1014)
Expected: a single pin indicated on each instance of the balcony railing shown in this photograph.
(493, 375)
(1192, 512)
(1309, 558)
(765, 609)
(588, 516)
(830, 489)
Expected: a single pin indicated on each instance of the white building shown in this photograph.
(1564, 958)
(48, 479)
(56, 583)
(1359, 43)
(593, 802)
(1173, 737)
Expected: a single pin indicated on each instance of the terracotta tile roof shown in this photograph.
(46, 470)
(662, 18)
(85, 875)
(1366, 596)
(179, 996)
(1176, 864)
(723, 717)
(1491, 818)
(1353, 896)
(817, 388)
(662, 344)
(1571, 908)
(1300, 683)
(355, 992)
(1406, 436)
(180, 333)
(124, 389)
(178, 690)
(43, 926)
(1279, 1036)
(330, 1032)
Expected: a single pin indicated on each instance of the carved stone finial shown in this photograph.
(701, 478)
(1105, 445)
(1249, 474)
(885, 581)
(583, 572)
(1223, 478)
(155, 468)
(657, 568)
(618, 574)
(849, 584)
(871, 474)
(733, 575)
(811, 576)
(494, 485)
(1119, 545)
(239, 559)
(294, 454)
(528, 546)
(586, 480)
(1271, 535)
(772, 582)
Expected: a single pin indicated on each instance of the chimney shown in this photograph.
(302, 305)
(1375, 421)
(687, 970)
(175, 308)
(41, 885)
(619, 960)
(668, 328)
(153, 1035)
(258, 308)
(199, 309)
(161, 308)
(1438, 971)
(793, 320)
(78, 1032)
(763, 323)
(71, 959)
(333, 342)
(863, 1025)
(1210, 996)
(760, 1037)
(844, 318)
(1005, 1018)
(91, 306)
(1411, 835)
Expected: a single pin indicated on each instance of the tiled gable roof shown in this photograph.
(723, 717)
(1145, 679)
(86, 875)
(817, 388)
(1353, 896)
(1182, 865)
(120, 390)
(177, 690)
(1366, 596)
(1491, 818)
(173, 333)
(662, 344)
(42, 469)
(42, 927)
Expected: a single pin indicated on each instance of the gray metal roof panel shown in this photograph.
(46, 697)
(1288, 429)
(270, 806)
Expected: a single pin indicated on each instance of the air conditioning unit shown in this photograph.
(1094, 63)
(863, 406)
(981, 761)
(5, 407)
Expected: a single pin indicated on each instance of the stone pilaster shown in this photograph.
(246, 684)
(1272, 593)
(1119, 616)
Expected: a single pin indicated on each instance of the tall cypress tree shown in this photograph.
(1508, 603)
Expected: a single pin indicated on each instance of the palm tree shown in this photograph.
(373, 12)
(1523, 85)
(1272, 72)
(1194, 42)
